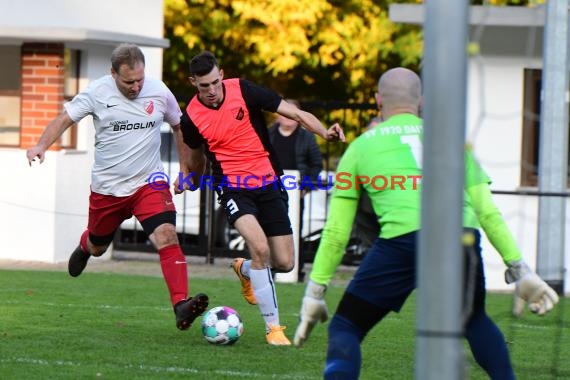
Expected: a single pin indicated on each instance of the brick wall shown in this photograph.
(43, 78)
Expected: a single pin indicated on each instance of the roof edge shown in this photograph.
(99, 37)
(510, 16)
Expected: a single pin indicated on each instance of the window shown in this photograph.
(10, 97)
(531, 127)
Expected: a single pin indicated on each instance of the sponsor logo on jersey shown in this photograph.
(240, 114)
(125, 125)
(149, 107)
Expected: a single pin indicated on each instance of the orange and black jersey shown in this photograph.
(235, 134)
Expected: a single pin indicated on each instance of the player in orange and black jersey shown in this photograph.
(225, 118)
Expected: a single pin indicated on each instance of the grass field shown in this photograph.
(118, 326)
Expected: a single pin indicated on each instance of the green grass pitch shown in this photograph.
(118, 326)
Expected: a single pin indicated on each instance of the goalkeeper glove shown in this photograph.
(313, 309)
(529, 288)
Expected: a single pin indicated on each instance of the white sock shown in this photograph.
(245, 268)
(264, 290)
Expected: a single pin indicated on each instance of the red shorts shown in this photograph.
(107, 212)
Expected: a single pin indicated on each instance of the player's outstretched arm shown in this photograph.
(529, 287)
(311, 123)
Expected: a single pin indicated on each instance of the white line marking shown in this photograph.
(116, 307)
(160, 369)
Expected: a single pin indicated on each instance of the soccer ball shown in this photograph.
(222, 325)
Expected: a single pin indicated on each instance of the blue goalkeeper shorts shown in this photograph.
(387, 275)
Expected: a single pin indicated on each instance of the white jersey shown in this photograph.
(127, 132)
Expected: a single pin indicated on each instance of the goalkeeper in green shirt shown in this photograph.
(385, 162)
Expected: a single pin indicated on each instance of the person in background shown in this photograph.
(226, 117)
(387, 275)
(127, 110)
(297, 149)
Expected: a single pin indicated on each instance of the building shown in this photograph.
(49, 51)
(503, 109)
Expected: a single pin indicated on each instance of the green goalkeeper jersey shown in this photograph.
(386, 162)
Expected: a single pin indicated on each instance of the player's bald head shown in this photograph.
(400, 88)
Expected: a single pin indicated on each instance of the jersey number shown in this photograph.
(415, 146)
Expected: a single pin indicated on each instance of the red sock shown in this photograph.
(83, 241)
(175, 272)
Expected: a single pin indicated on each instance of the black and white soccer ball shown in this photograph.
(222, 325)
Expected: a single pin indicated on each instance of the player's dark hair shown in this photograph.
(126, 54)
(202, 64)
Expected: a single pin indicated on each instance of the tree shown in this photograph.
(312, 49)
(304, 49)
(327, 50)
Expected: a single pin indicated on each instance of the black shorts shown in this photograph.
(268, 204)
(387, 275)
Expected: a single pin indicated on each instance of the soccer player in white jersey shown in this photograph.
(128, 110)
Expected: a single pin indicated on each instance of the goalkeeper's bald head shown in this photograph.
(399, 91)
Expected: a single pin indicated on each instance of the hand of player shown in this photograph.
(530, 289)
(190, 181)
(34, 152)
(177, 188)
(335, 133)
(313, 309)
